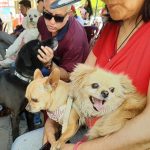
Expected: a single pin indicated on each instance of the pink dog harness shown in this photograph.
(58, 114)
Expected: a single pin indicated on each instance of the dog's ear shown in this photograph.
(127, 85)
(38, 74)
(80, 72)
(79, 75)
(54, 78)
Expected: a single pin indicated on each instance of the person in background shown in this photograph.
(83, 12)
(25, 5)
(125, 49)
(88, 8)
(40, 5)
(84, 15)
(78, 18)
(104, 14)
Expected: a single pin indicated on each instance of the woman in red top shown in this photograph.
(124, 46)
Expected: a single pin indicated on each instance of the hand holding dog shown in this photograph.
(45, 55)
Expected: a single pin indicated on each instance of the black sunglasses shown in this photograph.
(49, 16)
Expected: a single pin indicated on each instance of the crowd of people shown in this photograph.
(122, 47)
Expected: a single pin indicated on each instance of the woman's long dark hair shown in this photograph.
(88, 8)
(145, 11)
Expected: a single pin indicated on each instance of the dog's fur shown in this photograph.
(96, 92)
(112, 97)
(30, 33)
(13, 88)
(50, 93)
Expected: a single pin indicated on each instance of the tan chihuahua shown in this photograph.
(51, 94)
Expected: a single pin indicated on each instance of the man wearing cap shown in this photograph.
(73, 45)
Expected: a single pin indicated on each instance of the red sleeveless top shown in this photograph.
(133, 59)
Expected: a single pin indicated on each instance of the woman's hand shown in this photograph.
(45, 55)
(68, 147)
(49, 131)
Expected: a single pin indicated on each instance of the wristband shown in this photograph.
(77, 145)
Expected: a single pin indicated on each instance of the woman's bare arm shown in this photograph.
(91, 59)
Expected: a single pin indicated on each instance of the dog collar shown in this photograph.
(24, 78)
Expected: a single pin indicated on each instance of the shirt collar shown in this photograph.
(62, 32)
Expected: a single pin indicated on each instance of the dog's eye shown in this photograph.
(29, 15)
(112, 89)
(95, 85)
(35, 15)
(34, 100)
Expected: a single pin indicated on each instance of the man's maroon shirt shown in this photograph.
(73, 47)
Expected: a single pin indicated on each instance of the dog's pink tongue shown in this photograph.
(98, 104)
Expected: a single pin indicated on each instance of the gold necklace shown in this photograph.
(136, 25)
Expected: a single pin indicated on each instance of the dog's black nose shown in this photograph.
(31, 19)
(105, 94)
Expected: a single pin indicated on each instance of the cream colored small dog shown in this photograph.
(30, 33)
(51, 94)
(112, 97)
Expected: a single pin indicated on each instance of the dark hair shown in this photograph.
(40, 1)
(1, 24)
(1, 20)
(25, 3)
(145, 11)
(88, 8)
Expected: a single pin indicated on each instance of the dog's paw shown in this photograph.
(57, 145)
